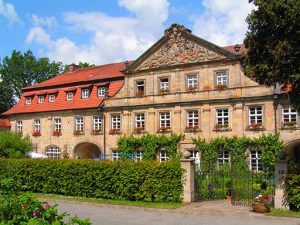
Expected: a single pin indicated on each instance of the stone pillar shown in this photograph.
(280, 172)
(189, 180)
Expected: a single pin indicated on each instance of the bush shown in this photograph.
(292, 191)
(123, 179)
(22, 208)
(12, 145)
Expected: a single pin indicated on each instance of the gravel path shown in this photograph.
(213, 213)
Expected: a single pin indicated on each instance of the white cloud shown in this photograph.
(223, 22)
(112, 38)
(49, 22)
(8, 10)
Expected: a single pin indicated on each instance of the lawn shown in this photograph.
(284, 213)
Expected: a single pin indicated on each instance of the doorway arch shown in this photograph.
(86, 150)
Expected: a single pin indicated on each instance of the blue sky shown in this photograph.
(102, 31)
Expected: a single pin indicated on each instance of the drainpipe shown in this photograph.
(275, 105)
(104, 134)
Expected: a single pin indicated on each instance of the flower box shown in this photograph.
(191, 128)
(36, 133)
(78, 132)
(164, 130)
(191, 88)
(288, 124)
(255, 126)
(221, 86)
(140, 93)
(261, 204)
(139, 130)
(114, 131)
(56, 133)
(97, 131)
(219, 127)
(164, 91)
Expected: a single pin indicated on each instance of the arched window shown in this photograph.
(53, 152)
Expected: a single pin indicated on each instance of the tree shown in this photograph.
(272, 43)
(21, 70)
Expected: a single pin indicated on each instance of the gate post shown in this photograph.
(189, 181)
(280, 172)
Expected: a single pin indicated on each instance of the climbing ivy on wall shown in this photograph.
(269, 145)
(150, 144)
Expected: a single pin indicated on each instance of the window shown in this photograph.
(41, 99)
(192, 82)
(255, 115)
(140, 120)
(97, 123)
(57, 124)
(192, 118)
(163, 156)
(28, 100)
(138, 155)
(85, 93)
(164, 84)
(255, 164)
(164, 120)
(116, 122)
(37, 125)
(53, 152)
(19, 126)
(115, 155)
(69, 96)
(222, 78)
(79, 124)
(194, 154)
(222, 117)
(140, 88)
(223, 157)
(51, 98)
(102, 91)
(289, 116)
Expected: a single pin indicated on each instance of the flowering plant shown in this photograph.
(96, 131)
(289, 124)
(56, 133)
(192, 88)
(192, 128)
(255, 126)
(163, 129)
(164, 91)
(78, 132)
(221, 126)
(36, 133)
(221, 86)
(262, 200)
(114, 131)
(138, 129)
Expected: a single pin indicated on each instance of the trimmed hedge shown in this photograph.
(292, 191)
(124, 179)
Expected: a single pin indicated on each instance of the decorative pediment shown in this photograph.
(178, 47)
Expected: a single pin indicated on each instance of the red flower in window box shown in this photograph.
(163, 129)
(221, 86)
(56, 133)
(78, 132)
(36, 133)
(138, 130)
(221, 126)
(140, 93)
(192, 128)
(255, 126)
(114, 131)
(192, 88)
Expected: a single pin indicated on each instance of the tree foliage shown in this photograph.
(272, 43)
(20, 70)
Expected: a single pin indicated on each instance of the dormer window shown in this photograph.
(102, 91)
(69, 96)
(41, 99)
(51, 98)
(28, 100)
(85, 93)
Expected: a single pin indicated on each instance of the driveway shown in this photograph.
(193, 214)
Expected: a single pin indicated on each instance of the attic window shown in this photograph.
(69, 96)
(51, 98)
(85, 93)
(28, 100)
(41, 99)
(102, 91)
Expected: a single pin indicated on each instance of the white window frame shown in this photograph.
(115, 155)
(164, 85)
(51, 98)
(223, 156)
(85, 93)
(255, 117)
(37, 125)
(101, 91)
(28, 100)
(222, 77)
(192, 118)
(70, 95)
(140, 86)
(19, 126)
(79, 123)
(193, 154)
(165, 119)
(97, 123)
(163, 156)
(53, 152)
(41, 99)
(221, 117)
(140, 120)
(138, 156)
(255, 160)
(289, 114)
(57, 124)
(192, 81)
(116, 122)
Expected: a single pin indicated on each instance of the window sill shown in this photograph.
(289, 128)
(96, 133)
(223, 130)
(192, 131)
(115, 132)
(255, 129)
(78, 133)
(164, 131)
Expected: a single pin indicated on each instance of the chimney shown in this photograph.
(237, 48)
(72, 67)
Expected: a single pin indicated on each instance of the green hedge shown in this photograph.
(124, 179)
(292, 191)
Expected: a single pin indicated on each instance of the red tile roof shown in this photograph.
(4, 123)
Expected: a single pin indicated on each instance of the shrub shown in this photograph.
(123, 179)
(12, 145)
(292, 191)
(22, 208)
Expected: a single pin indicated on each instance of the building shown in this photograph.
(181, 84)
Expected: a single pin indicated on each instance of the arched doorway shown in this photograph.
(87, 150)
(292, 149)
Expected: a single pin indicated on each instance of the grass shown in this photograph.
(144, 204)
(284, 213)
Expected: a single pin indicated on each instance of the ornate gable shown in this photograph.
(179, 46)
